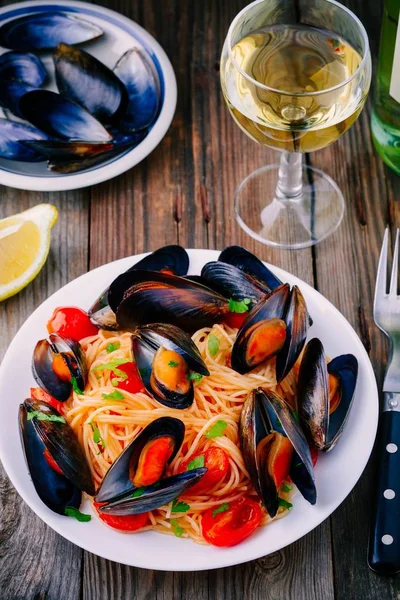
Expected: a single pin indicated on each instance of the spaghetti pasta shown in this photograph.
(218, 397)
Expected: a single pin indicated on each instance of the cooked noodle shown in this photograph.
(217, 397)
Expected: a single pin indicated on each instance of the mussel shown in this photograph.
(249, 263)
(276, 326)
(233, 283)
(60, 117)
(168, 299)
(45, 30)
(56, 461)
(85, 80)
(171, 259)
(137, 72)
(324, 394)
(55, 362)
(22, 66)
(11, 134)
(165, 355)
(11, 93)
(273, 446)
(134, 483)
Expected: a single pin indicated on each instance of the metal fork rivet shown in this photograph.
(389, 494)
(387, 539)
(393, 403)
(392, 448)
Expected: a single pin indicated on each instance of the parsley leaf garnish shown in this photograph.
(239, 306)
(143, 372)
(138, 492)
(76, 387)
(177, 529)
(195, 376)
(296, 416)
(285, 503)
(113, 366)
(173, 363)
(196, 463)
(41, 416)
(217, 430)
(223, 508)
(179, 506)
(213, 344)
(286, 488)
(115, 395)
(71, 511)
(96, 435)
(112, 347)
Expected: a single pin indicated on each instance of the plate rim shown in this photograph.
(43, 512)
(129, 159)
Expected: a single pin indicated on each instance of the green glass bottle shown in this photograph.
(386, 111)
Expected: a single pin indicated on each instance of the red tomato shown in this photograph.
(235, 320)
(314, 455)
(217, 462)
(71, 322)
(51, 462)
(132, 383)
(39, 394)
(232, 526)
(126, 523)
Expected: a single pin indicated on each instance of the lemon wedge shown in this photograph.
(24, 246)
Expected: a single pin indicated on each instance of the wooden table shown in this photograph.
(183, 193)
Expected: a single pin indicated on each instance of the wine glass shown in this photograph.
(295, 75)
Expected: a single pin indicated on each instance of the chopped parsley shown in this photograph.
(76, 387)
(115, 395)
(96, 435)
(296, 416)
(71, 511)
(195, 376)
(41, 416)
(239, 306)
(173, 363)
(285, 503)
(143, 372)
(196, 463)
(213, 344)
(138, 492)
(286, 488)
(179, 506)
(220, 509)
(217, 430)
(177, 529)
(112, 347)
(113, 365)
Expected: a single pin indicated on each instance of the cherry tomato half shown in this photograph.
(232, 526)
(51, 462)
(217, 462)
(132, 383)
(71, 322)
(39, 394)
(125, 523)
(235, 320)
(314, 455)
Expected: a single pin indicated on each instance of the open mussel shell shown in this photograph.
(53, 488)
(62, 444)
(265, 414)
(85, 80)
(137, 72)
(231, 282)
(10, 94)
(323, 429)
(60, 117)
(172, 259)
(11, 134)
(251, 346)
(46, 30)
(297, 321)
(170, 299)
(117, 482)
(42, 365)
(250, 264)
(164, 354)
(153, 496)
(64, 150)
(22, 66)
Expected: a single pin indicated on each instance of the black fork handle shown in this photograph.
(384, 543)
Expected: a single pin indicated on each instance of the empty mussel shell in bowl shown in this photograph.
(11, 147)
(24, 67)
(249, 263)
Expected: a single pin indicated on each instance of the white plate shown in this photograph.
(120, 34)
(336, 472)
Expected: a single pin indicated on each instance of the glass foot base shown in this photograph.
(291, 223)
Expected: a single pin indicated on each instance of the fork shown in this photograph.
(384, 543)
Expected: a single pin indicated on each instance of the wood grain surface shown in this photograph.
(183, 193)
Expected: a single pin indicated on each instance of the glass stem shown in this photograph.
(290, 177)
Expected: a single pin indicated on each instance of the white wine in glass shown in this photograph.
(293, 85)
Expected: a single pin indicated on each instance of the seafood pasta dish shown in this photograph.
(191, 405)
